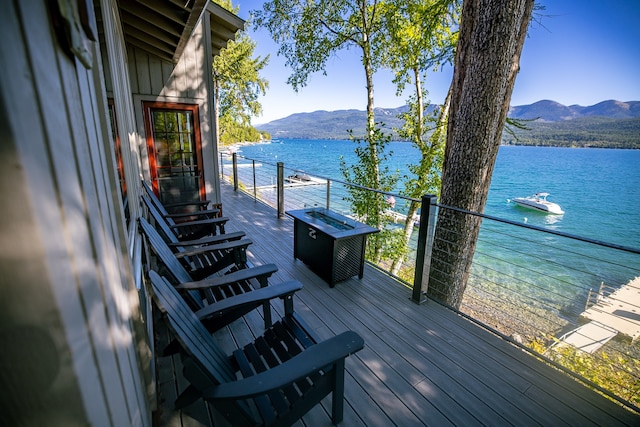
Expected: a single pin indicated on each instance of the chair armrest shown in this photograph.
(206, 213)
(237, 276)
(253, 298)
(180, 204)
(309, 361)
(224, 246)
(236, 235)
(208, 221)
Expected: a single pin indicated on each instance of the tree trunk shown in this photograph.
(374, 161)
(492, 33)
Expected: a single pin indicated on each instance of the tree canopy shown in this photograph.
(309, 33)
(419, 36)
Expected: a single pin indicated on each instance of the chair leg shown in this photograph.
(187, 397)
(266, 306)
(288, 305)
(337, 403)
(266, 311)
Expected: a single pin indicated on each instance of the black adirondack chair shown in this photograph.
(284, 373)
(222, 251)
(206, 223)
(216, 290)
(170, 233)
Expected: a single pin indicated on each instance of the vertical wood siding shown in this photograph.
(66, 252)
(188, 81)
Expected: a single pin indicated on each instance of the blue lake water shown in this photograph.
(599, 189)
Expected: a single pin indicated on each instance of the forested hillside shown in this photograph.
(583, 132)
(608, 124)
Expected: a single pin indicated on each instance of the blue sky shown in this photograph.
(581, 52)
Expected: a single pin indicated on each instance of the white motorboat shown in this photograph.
(540, 203)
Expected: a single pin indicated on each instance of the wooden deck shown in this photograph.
(421, 365)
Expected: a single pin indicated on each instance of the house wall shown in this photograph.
(72, 345)
(190, 81)
(115, 78)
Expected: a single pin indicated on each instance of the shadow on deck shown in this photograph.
(421, 365)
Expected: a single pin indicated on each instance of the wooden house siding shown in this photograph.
(70, 318)
(73, 316)
(189, 82)
(116, 80)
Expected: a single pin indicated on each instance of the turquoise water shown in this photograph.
(599, 189)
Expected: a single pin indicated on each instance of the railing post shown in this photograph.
(255, 192)
(234, 162)
(328, 193)
(280, 187)
(425, 244)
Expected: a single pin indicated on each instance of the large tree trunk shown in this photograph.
(492, 33)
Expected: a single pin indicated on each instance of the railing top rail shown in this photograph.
(544, 230)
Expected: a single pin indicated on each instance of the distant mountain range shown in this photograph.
(607, 124)
(552, 111)
(330, 124)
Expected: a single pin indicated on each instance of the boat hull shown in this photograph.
(539, 205)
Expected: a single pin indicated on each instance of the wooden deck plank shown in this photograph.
(401, 370)
(475, 360)
(422, 364)
(324, 300)
(386, 339)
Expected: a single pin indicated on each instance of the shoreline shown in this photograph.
(634, 147)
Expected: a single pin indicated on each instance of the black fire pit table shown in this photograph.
(331, 244)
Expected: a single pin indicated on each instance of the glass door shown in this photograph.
(175, 155)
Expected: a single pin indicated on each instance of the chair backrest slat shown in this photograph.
(162, 250)
(156, 202)
(160, 221)
(194, 338)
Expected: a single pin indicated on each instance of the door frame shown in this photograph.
(147, 107)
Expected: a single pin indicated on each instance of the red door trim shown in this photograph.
(148, 126)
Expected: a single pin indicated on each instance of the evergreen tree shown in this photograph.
(237, 86)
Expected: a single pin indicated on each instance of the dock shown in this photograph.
(588, 337)
(609, 313)
(398, 217)
(304, 180)
(619, 310)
